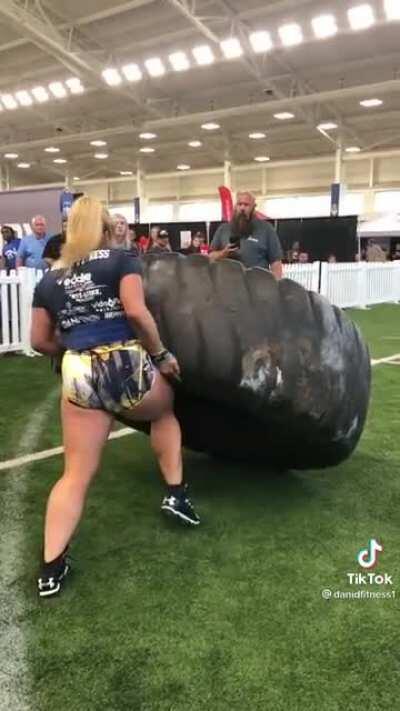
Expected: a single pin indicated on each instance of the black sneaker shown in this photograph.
(180, 507)
(52, 576)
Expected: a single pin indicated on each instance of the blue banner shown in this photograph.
(66, 201)
(335, 199)
(136, 209)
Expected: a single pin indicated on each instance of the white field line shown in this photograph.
(390, 360)
(14, 669)
(47, 453)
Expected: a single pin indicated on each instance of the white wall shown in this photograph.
(283, 189)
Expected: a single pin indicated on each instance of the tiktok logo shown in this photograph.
(368, 557)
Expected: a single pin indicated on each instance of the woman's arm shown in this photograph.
(132, 299)
(43, 333)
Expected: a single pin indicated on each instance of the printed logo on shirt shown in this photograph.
(252, 239)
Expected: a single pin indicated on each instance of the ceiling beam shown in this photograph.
(86, 20)
(267, 107)
(45, 35)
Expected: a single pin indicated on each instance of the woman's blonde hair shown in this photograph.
(88, 225)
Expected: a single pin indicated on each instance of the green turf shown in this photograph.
(230, 615)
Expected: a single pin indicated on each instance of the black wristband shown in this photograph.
(160, 357)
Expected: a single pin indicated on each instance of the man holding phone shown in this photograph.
(252, 241)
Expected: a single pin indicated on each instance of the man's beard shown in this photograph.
(241, 225)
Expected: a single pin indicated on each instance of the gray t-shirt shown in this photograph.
(260, 249)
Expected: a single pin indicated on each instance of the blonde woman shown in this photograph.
(92, 304)
(120, 238)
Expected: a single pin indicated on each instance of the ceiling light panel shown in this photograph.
(11, 156)
(179, 61)
(262, 159)
(75, 86)
(98, 143)
(195, 144)
(392, 9)
(132, 72)
(24, 98)
(147, 136)
(40, 94)
(111, 76)
(371, 103)
(58, 89)
(183, 166)
(210, 126)
(101, 156)
(284, 116)
(52, 149)
(257, 135)
(146, 149)
(361, 17)
(203, 55)
(291, 34)
(231, 48)
(155, 67)
(327, 126)
(324, 26)
(261, 41)
(9, 102)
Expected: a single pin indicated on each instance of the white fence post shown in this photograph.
(324, 286)
(5, 321)
(28, 282)
(363, 285)
(396, 281)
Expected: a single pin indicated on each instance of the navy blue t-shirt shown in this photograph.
(84, 302)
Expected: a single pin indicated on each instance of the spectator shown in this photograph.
(303, 258)
(143, 243)
(10, 248)
(195, 245)
(120, 237)
(332, 259)
(293, 254)
(52, 250)
(254, 242)
(30, 252)
(161, 244)
(154, 232)
(375, 253)
(204, 249)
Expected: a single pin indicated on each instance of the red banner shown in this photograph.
(226, 203)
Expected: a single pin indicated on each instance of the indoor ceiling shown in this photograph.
(317, 80)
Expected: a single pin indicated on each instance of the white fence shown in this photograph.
(305, 274)
(16, 292)
(345, 285)
(360, 284)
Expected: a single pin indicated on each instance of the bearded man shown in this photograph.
(252, 241)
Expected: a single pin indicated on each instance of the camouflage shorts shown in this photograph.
(111, 378)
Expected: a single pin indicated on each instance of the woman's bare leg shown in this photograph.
(85, 433)
(166, 441)
(157, 407)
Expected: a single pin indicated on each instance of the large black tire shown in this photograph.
(270, 371)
